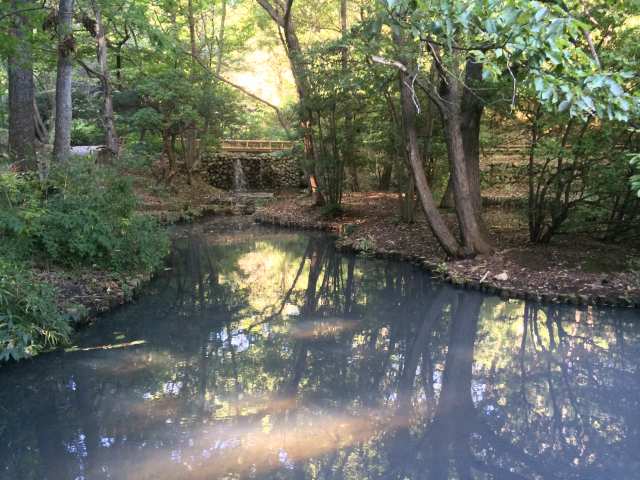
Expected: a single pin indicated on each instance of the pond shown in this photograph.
(264, 353)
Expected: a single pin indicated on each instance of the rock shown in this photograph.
(501, 277)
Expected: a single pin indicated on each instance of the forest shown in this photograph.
(463, 119)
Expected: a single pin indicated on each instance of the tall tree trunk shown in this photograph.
(191, 153)
(112, 142)
(41, 131)
(64, 113)
(473, 235)
(223, 17)
(472, 109)
(447, 200)
(443, 234)
(384, 183)
(301, 78)
(348, 151)
(21, 92)
(466, 191)
(440, 229)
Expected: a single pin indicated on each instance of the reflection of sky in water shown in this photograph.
(288, 395)
(239, 340)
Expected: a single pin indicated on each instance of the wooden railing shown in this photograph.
(255, 146)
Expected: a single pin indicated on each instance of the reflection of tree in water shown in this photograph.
(359, 370)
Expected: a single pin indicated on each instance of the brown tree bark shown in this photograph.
(223, 17)
(348, 151)
(112, 142)
(440, 229)
(21, 92)
(466, 181)
(64, 107)
(282, 17)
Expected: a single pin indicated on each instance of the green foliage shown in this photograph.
(86, 133)
(29, 318)
(635, 179)
(83, 216)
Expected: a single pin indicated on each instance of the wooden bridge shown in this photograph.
(255, 146)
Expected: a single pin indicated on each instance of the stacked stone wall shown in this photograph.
(261, 172)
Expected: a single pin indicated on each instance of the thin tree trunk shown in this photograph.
(112, 142)
(41, 131)
(385, 177)
(300, 75)
(447, 200)
(21, 92)
(349, 137)
(223, 16)
(191, 153)
(64, 112)
(52, 117)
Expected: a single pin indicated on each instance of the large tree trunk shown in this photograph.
(21, 92)
(112, 142)
(466, 185)
(62, 140)
(473, 235)
(472, 109)
(436, 222)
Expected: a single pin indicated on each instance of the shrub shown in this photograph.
(83, 216)
(29, 318)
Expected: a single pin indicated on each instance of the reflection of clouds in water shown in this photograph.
(478, 390)
(239, 340)
(78, 445)
(107, 442)
(172, 388)
(71, 384)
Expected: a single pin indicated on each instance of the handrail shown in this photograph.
(255, 145)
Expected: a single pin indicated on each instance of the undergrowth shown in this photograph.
(83, 216)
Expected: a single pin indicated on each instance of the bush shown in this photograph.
(83, 216)
(29, 318)
(86, 133)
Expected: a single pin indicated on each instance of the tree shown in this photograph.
(21, 89)
(471, 43)
(281, 14)
(64, 107)
(112, 143)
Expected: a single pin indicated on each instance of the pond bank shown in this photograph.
(84, 294)
(575, 270)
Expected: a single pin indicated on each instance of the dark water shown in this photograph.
(265, 354)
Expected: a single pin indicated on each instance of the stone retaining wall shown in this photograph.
(259, 171)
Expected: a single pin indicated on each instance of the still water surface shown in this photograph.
(265, 354)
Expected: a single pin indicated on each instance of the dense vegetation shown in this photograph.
(400, 95)
(81, 216)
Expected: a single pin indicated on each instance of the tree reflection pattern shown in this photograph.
(270, 355)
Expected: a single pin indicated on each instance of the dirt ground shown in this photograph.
(575, 269)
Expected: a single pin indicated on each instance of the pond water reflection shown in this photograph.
(266, 354)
